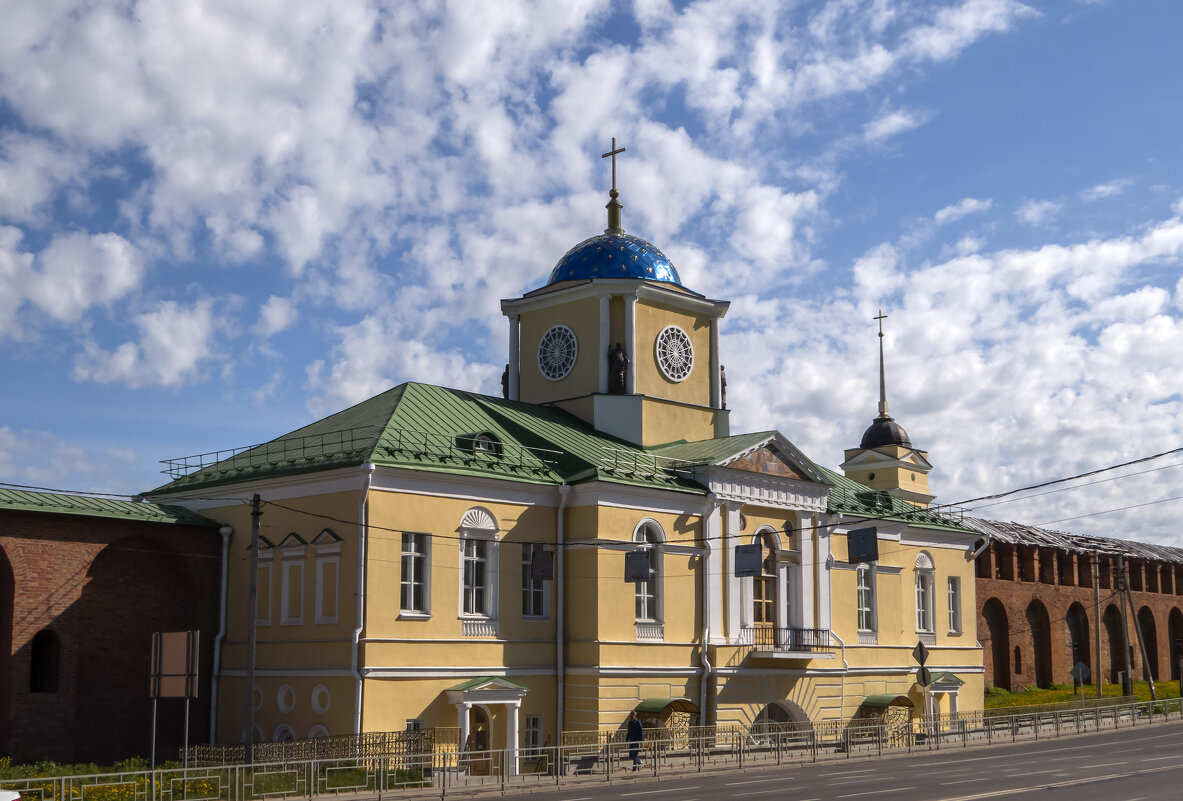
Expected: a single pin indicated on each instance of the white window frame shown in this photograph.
(291, 593)
(925, 585)
(954, 594)
(423, 579)
(652, 588)
(864, 580)
(265, 578)
(328, 559)
(534, 588)
(479, 525)
(532, 735)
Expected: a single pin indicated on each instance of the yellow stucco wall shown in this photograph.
(651, 318)
(583, 318)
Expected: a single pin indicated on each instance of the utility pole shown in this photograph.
(1096, 624)
(252, 610)
(1125, 631)
(1146, 669)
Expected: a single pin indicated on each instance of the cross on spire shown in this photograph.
(613, 204)
(882, 380)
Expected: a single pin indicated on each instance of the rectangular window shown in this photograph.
(866, 599)
(533, 590)
(414, 580)
(764, 600)
(954, 605)
(327, 575)
(532, 740)
(291, 605)
(263, 595)
(924, 601)
(646, 595)
(476, 577)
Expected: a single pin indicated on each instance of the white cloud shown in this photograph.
(78, 271)
(276, 315)
(175, 342)
(891, 124)
(961, 208)
(43, 459)
(1038, 212)
(1106, 190)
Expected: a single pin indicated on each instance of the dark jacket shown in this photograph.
(635, 732)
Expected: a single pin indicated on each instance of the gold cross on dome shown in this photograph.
(613, 153)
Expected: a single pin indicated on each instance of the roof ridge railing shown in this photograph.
(639, 463)
(284, 450)
(449, 448)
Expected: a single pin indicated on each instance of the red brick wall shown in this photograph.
(1016, 597)
(103, 586)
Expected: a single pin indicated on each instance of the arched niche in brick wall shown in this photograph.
(1039, 626)
(1112, 621)
(998, 642)
(1149, 628)
(1175, 641)
(137, 585)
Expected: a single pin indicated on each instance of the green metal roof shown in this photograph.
(712, 451)
(61, 503)
(431, 428)
(884, 700)
(848, 497)
(477, 682)
(653, 706)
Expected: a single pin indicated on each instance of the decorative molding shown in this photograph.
(478, 519)
(764, 490)
(650, 632)
(478, 627)
(868, 638)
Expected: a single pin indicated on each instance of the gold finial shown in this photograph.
(613, 204)
(882, 380)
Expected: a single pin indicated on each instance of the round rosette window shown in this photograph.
(556, 352)
(675, 354)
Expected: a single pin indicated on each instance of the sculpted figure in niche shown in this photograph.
(505, 382)
(618, 362)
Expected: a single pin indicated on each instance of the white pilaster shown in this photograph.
(511, 723)
(823, 576)
(630, 342)
(515, 356)
(713, 564)
(605, 342)
(713, 361)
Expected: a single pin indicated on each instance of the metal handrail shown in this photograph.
(377, 775)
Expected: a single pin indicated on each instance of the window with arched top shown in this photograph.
(649, 537)
(764, 586)
(925, 578)
(478, 564)
(45, 662)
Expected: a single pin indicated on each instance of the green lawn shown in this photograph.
(1059, 693)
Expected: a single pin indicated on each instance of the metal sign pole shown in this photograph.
(152, 762)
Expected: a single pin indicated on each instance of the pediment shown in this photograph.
(872, 459)
(769, 461)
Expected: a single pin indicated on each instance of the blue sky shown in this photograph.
(220, 221)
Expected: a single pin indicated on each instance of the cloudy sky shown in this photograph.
(221, 220)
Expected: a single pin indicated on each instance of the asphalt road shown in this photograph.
(1126, 765)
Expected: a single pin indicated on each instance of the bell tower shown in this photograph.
(616, 339)
(885, 458)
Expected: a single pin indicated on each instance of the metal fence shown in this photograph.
(601, 758)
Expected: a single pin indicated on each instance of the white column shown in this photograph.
(463, 710)
(808, 572)
(731, 530)
(511, 722)
(716, 384)
(605, 342)
(514, 356)
(630, 342)
(823, 577)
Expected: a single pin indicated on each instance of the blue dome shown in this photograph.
(613, 255)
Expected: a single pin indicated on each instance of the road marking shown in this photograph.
(1155, 759)
(878, 792)
(765, 781)
(1056, 785)
(653, 792)
(850, 772)
(768, 792)
(1108, 764)
(963, 781)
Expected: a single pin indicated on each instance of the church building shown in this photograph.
(596, 540)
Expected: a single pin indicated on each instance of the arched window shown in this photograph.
(764, 586)
(478, 563)
(649, 537)
(925, 574)
(45, 662)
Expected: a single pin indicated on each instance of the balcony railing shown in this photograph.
(788, 640)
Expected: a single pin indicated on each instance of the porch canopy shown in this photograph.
(655, 706)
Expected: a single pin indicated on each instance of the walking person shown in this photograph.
(635, 735)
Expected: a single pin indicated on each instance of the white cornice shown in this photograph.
(594, 288)
(730, 484)
(324, 482)
(627, 496)
(464, 487)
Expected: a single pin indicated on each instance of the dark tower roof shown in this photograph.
(885, 431)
